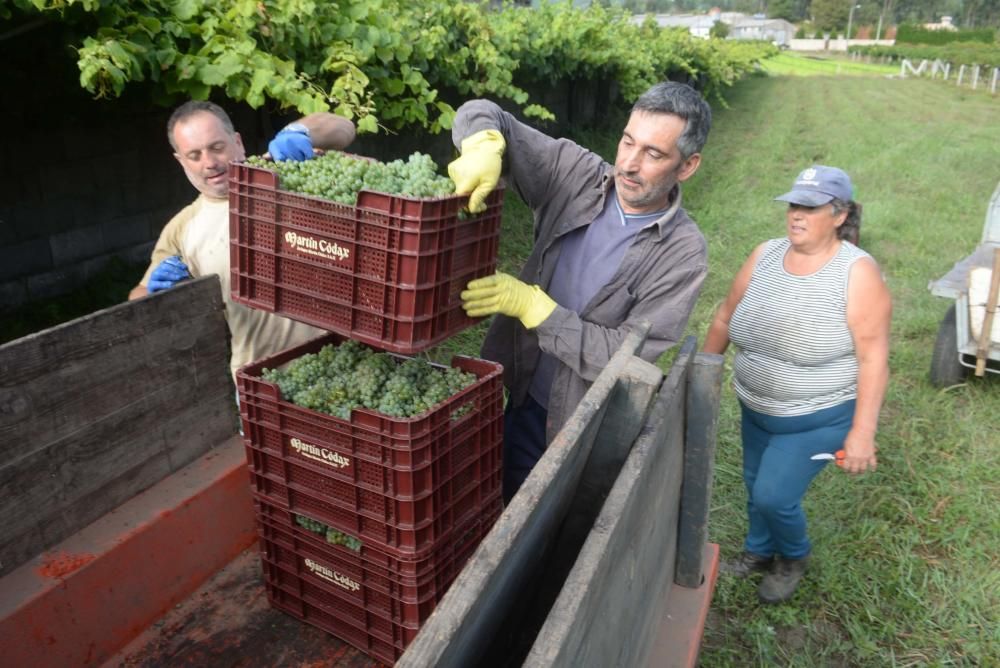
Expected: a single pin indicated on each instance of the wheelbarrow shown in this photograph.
(968, 338)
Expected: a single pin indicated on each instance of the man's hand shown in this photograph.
(167, 274)
(292, 143)
(477, 171)
(501, 293)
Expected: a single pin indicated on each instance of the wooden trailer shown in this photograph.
(127, 535)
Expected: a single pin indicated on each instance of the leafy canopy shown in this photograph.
(378, 62)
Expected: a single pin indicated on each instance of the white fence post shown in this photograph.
(976, 72)
(907, 65)
(942, 67)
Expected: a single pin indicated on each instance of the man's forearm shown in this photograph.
(137, 291)
(475, 116)
(329, 131)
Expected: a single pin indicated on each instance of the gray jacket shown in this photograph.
(658, 281)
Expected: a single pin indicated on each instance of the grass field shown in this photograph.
(906, 570)
(802, 64)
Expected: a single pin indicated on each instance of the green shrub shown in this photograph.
(382, 63)
(956, 53)
(914, 34)
(719, 30)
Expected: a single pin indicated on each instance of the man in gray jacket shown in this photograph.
(613, 248)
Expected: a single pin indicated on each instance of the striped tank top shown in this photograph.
(795, 354)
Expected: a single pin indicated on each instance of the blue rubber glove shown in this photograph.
(167, 274)
(292, 143)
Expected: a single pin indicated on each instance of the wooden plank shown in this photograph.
(631, 403)
(497, 580)
(983, 350)
(704, 390)
(54, 495)
(609, 603)
(55, 382)
(102, 407)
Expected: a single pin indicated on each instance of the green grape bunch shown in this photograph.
(340, 378)
(335, 537)
(338, 176)
(331, 535)
(310, 524)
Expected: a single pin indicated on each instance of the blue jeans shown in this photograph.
(777, 470)
(523, 443)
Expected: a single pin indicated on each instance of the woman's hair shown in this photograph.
(850, 230)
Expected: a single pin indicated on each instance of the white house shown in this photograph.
(698, 25)
(778, 31)
(945, 24)
(740, 25)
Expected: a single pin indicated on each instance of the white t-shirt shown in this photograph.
(199, 234)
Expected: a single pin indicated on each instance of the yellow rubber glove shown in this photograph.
(501, 293)
(477, 170)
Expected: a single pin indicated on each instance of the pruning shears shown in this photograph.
(838, 457)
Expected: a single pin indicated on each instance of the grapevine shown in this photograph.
(338, 176)
(338, 379)
(380, 63)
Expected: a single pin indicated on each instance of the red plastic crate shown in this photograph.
(408, 581)
(357, 596)
(400, 483)
(297, 460)
(408, 527)
(387, 271)
(405, 569)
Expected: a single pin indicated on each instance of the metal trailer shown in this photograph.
(956, 349)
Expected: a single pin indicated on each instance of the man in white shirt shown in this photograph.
(196, 241)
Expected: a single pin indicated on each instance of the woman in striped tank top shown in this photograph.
(809, 317)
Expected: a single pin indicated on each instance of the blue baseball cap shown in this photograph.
(818, 185)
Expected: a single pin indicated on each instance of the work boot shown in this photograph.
(780, 583)
(746, 564)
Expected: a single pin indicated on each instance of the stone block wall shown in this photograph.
(82, 180)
